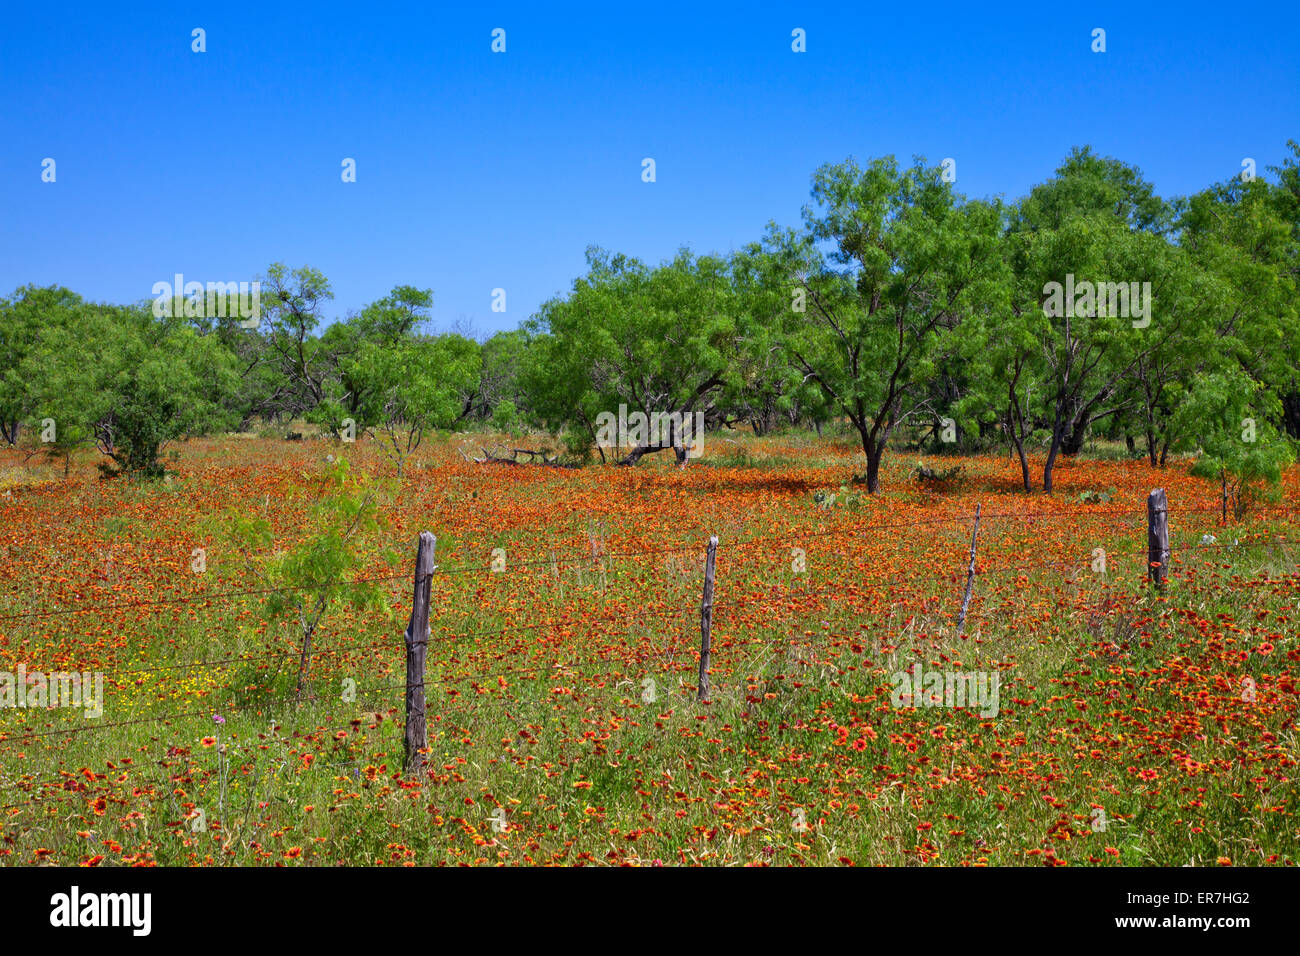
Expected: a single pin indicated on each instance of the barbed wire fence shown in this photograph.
(1160, 563)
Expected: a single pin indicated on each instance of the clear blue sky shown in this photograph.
(478, 170)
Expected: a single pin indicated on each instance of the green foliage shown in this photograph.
(659, 339)
(23, 318)
(505, 416)
(914, 259)
(404, 389)
(1095, 497)
(845, 496)
(1226, 417)
(924, 473)
(324, 568)
(899, 308)
(295, 365)
(1088, 184)
(125, 380)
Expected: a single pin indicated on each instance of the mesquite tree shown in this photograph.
(909, 259)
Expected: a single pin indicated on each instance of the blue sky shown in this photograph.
(478, 170)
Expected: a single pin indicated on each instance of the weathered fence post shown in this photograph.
(970, 573)
(1157, 537)
(417, 645)
(706, 617)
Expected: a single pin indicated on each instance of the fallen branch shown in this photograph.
(547, 461)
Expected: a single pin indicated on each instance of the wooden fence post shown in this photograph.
(1157, 537)
(706, 617)
(970, 573)
(417, 645)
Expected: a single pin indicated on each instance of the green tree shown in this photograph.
(914, 259)
(291, 304)
(504, 356)
(128, 381)
(22, 319)
(1104, 360)
(1239, 234)
(1286, 199)
(999, 347)
(389, 322)
(764, 387)
(1226, 418)
(323, 570)
(405, 388)
(660, 341)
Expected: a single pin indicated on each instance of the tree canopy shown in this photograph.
(898, 308)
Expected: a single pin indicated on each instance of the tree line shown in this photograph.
(1090, 307)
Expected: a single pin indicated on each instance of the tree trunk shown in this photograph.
(874, 450)
(1052, 452)
(1024, 462)
(1073, 443)
(302, 662)
(674, 442)
(635, 454)
(873, 471)
(1015, 429)
(632, 457)
(1291, 414)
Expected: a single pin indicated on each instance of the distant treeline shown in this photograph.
(1092, 306)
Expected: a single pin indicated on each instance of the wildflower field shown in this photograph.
(1132, 726)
